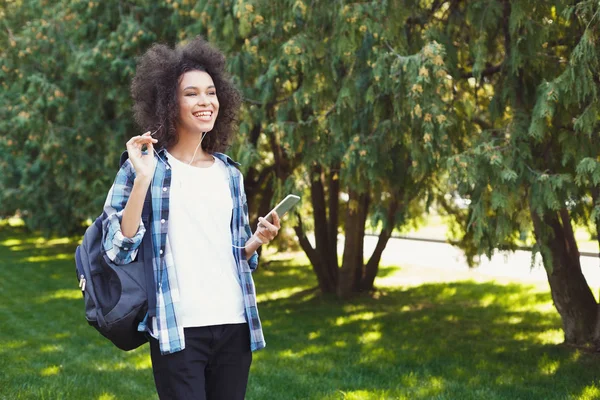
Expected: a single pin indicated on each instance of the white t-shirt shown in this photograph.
(199, 234)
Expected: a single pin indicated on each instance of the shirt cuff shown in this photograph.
(129, 244)
(253, 261)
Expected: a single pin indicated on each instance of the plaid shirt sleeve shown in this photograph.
(253, 260)
(119, 248)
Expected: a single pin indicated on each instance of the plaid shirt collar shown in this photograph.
(162, 153)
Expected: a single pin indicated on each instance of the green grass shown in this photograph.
(418, 338)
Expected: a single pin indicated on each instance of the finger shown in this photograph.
(134, 140)
(144, 139)
(261, 230)
(266, 224)
(139, 141)
(149, 135)
(267, 232)
(276, 220)
(262, 221)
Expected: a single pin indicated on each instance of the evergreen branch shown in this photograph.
(558, 42)
(423, 19)
(472, 217)
(10, 33)
(593, 18)
(310, 120)
(255, 102)
(491, 70)
(537, 173)
(258, 103)
(401, 57)
(506, 30)
(482, 123)
(331, 109)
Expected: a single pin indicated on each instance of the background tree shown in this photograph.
(528, 85)
(329, 105)
(65, 109)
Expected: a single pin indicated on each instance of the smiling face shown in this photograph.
(198, 102)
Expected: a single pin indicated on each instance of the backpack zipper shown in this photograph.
(82, 282)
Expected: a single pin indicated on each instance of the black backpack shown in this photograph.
(117, 297)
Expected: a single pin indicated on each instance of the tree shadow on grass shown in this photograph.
(459, 340)
(47, 349)
(448, 340)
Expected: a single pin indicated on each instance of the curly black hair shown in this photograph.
(154, 91)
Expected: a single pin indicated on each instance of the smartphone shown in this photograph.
(283, 207)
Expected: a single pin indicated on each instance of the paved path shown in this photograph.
(515, 265)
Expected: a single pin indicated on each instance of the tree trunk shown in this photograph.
(334, 205)
(372, 266)
(596, 338)
(353, 260)
(320, 267)
(324, 265)
(596, 199)
(323, 245)
(571, 294)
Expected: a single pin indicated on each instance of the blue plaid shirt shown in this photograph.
(166, 326)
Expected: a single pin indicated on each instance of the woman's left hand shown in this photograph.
(266, 231)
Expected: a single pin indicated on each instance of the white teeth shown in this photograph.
(203, 114)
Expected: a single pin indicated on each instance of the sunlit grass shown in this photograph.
(590, 393)
(423, 335)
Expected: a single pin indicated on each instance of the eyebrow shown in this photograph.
(194, 87)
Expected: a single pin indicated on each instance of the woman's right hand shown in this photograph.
(143, 164)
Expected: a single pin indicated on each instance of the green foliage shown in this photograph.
(65, 107)
(325, 83)
(536, 146)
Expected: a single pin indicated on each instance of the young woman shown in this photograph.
(206, 323)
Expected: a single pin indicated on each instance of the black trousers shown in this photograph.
(214, 364)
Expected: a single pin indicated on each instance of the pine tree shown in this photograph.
(65, 108)
(530, 156)
(346, 107)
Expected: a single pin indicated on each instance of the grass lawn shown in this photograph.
(423, 336)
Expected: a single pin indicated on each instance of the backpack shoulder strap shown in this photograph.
(124, 157)
(147, 210)
(146, 246)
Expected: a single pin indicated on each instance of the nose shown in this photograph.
(203, 99)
